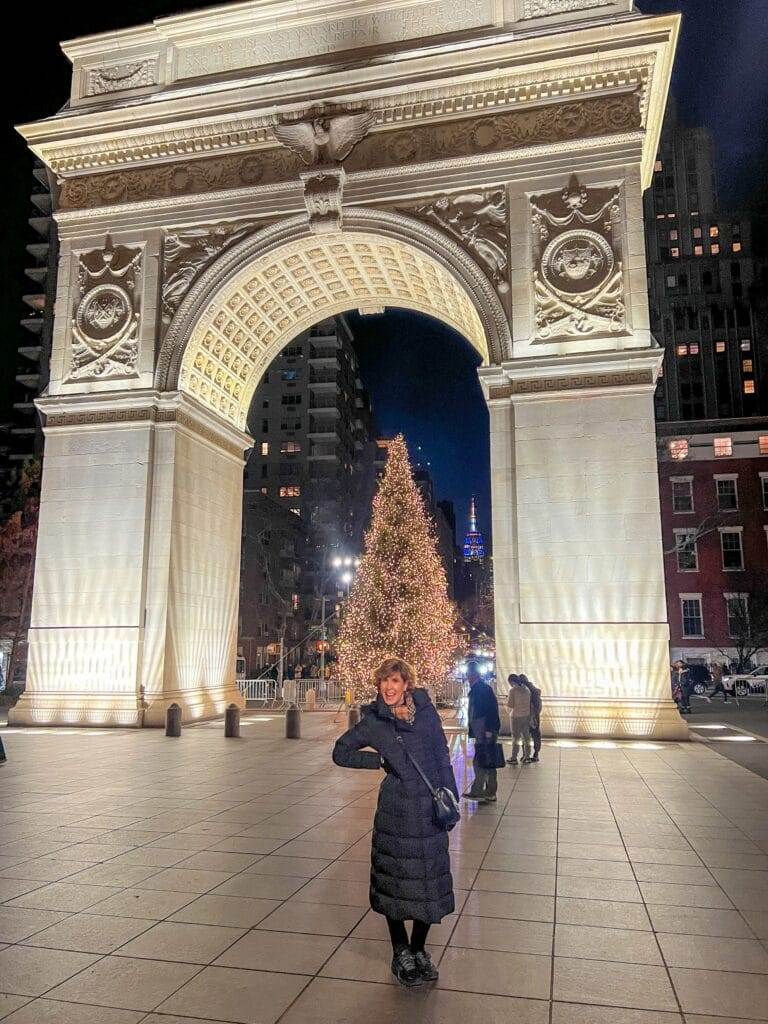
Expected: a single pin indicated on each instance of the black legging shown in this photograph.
(399, 935)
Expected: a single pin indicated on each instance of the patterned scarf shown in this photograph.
(410, 709)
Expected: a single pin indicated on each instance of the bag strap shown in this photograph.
(417, 766)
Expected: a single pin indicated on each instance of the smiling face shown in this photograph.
(392, 689)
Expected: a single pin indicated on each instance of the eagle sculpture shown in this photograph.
(325, 140)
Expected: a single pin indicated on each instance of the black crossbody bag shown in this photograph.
(445, 806)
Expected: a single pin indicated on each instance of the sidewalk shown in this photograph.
(144, 879)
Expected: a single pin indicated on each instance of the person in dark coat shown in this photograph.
(535, 715)
(484, 728)
(410, 862)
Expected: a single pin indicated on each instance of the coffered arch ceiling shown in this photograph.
(218, 349)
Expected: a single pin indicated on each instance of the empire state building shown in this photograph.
(474, 545)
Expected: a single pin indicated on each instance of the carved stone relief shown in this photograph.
(476, 220)
(119, 77)
(187, 253)
(335, 35)
(464, 139)
(543, 8)
(578, 271)
(106, 313)
(323, 196)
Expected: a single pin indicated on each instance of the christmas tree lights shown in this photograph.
(399, 605)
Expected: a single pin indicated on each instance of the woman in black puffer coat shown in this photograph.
(410, 863)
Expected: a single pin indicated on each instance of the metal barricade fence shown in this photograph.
(328, 693)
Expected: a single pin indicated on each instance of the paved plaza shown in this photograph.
(145, 879)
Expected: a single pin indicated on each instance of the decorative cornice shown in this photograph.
(237, 133)
(466, 137)
(576, 382)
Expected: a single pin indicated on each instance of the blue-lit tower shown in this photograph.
(474, 545)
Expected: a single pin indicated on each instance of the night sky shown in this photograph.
(720, 80)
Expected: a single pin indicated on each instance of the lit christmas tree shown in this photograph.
(399, 606)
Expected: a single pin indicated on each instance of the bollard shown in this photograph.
(353, 716)
(293, 723)
(232, 722)
(173, 721)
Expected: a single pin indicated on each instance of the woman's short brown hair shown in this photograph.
(389, 667)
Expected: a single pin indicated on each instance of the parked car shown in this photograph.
(701, 678)
(744, 683)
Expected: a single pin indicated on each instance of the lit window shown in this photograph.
(698, 250)
(682, 350)
(719, 346)
(686, 550)
(296, 512)
(671, 281)
(746, 345)
(746, 366)
(265, 447)
(737, 609)
(693, 620)
(694, 213)
(295, 602)
(715, 249)
(675, 252)
(682, 494)
(696, 232)
(659, 216)
(727, 494)
(764, 488)
(693, 350)
(762, 443)
(658, 166)
(723, 447)
(678, 450)
(749, 387)
(674, 235)
(736, 246)
(731, 549)
(714, 232)
(265, 490)
(671, 216)
(290, 448)
(290, 492)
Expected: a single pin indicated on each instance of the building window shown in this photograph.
(727, 493)
(719, 346)
(290, 448)
(265, 447)
(675, 252)
(290, 374)
(736, 247)
(762, 444)
(737, 610)
(745, 345)
(731, 548)
(693, 349)
(658, 166)
(696, 232)
(296, 512)
(674, 234)
(682, 494)
(698, 250)
(715, 249)
(678, 450)
(714, 231)
(671, 281)
(723, 447)
(682, 350)
(749, 387)
(746, 366)
(693, 620)
(764, 487)
(265, 490)
(686, 550)
(291, 400)
(290, 492)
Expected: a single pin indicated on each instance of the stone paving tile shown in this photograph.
(313, 918)
(241, 996)
(572, 1013)
(614, 944)
(123, 983)
(280, 951)
(721, 993)
(18, 923)
(51, 1011)
(89, 933)
(31, 972)
(231, 911)
(508, 936)
(143, 903)
(182, 942)
(716, 954)
(609, 984)
(602, 914)
(9, 1003)
(64, 896)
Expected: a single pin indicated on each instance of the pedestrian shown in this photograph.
(682, 685)
(718, 671)
(535, 716)
(484, 727)
(410, 862)
(519, 704)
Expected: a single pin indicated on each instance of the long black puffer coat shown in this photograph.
(410, 864)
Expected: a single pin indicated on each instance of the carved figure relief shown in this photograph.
(187, 253)
(118, 77)
(478, 221)
(106, 313)
(542, 8)
(325, 139)
(323, 197)
(578, 272)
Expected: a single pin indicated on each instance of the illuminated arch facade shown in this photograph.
(473, 165)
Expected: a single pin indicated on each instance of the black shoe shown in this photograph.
(488, 800)
(511, 760)
(535, 758)
(469, 795)
(405, 970)
(527, 760)
(425, 967)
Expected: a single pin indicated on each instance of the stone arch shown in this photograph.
(278, 282)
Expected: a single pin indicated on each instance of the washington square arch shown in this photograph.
(228, 177)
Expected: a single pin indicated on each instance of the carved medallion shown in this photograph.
(105, 321)
(578, 273)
